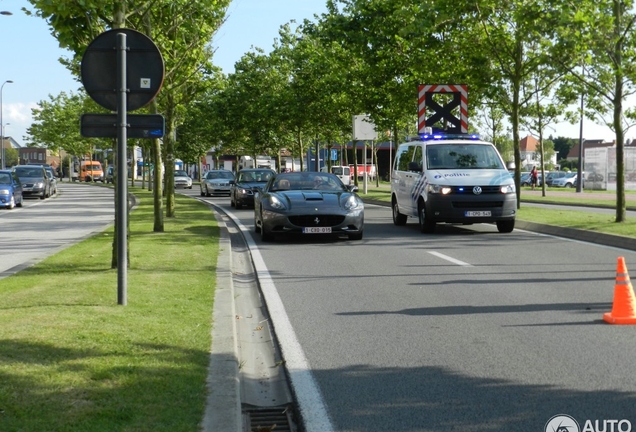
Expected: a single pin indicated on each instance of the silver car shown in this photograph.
(307, 203)
(34, 180)
(182, 180)
(217, 182)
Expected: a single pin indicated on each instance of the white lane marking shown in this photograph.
(308, 396)
(451, 259)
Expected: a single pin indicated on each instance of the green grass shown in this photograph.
(71, 359)
(573, 218)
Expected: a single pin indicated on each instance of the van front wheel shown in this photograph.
(427, 225)
(399, 219)
(505, 226)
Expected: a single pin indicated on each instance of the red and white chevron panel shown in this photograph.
(442, 88)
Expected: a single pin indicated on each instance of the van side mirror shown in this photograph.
(414, 166)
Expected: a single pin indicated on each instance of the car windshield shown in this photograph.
(260, 176)
(307, 181)
(5, 178)
(181, 173)
(211, 175)
(28, 172)
(462, 156)
(92, 167)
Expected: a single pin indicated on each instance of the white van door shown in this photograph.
(404, 179)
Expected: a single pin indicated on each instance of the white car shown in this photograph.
(182, 180)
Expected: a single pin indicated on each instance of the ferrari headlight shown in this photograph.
(508, 189)
(438, 189)
(351, 203)
(275, 203)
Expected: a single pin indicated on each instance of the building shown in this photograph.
(8, 143)
(31, 155)
(588, 144)
(530, 155)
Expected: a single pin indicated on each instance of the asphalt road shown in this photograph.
(466, 329)
(43, 227)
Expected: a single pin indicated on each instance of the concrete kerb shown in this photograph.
(223, 407)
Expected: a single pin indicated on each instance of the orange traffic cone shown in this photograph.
(624, 307)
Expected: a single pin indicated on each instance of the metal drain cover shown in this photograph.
(268, 420)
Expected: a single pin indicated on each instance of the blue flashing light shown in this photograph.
(445, 136)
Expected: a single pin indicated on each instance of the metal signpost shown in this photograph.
(133, 82)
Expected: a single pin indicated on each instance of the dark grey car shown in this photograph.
(248, 182)
(34, 180)
(308, 203)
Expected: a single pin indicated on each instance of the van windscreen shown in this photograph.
(462, 156)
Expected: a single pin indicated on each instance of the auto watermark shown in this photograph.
(566, 423)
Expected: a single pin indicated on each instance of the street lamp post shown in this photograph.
(4, 165)
(4, 131)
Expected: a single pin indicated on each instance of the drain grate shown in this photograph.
(268, 420)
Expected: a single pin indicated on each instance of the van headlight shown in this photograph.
(438, 189)
(508, 189)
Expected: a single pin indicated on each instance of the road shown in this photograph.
(43, 227)
(466, 329)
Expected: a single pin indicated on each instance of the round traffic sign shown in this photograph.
(144, 69)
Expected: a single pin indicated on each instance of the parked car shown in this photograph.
(553, 175)
(594, 177)
(110, 174)
(248, 181)
(10, 190)
(217, 182)
(34, 180)
(308, 203)
(525, 179)
(182, 180)
(50, 173)
(568, 181)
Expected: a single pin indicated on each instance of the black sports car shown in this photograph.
(247, 183)
(308, 203)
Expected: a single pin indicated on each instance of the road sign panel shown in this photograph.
(138, 125)
(144, 69)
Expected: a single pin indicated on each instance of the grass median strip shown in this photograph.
(71, 359)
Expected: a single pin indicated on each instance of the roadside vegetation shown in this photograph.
(72, 359)
(527, 65)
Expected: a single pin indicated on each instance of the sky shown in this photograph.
(31, 56)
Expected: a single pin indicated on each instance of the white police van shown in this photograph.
(452, 179)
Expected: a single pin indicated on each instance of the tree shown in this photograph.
(181, 29)
(600, 36)
(55, 125)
